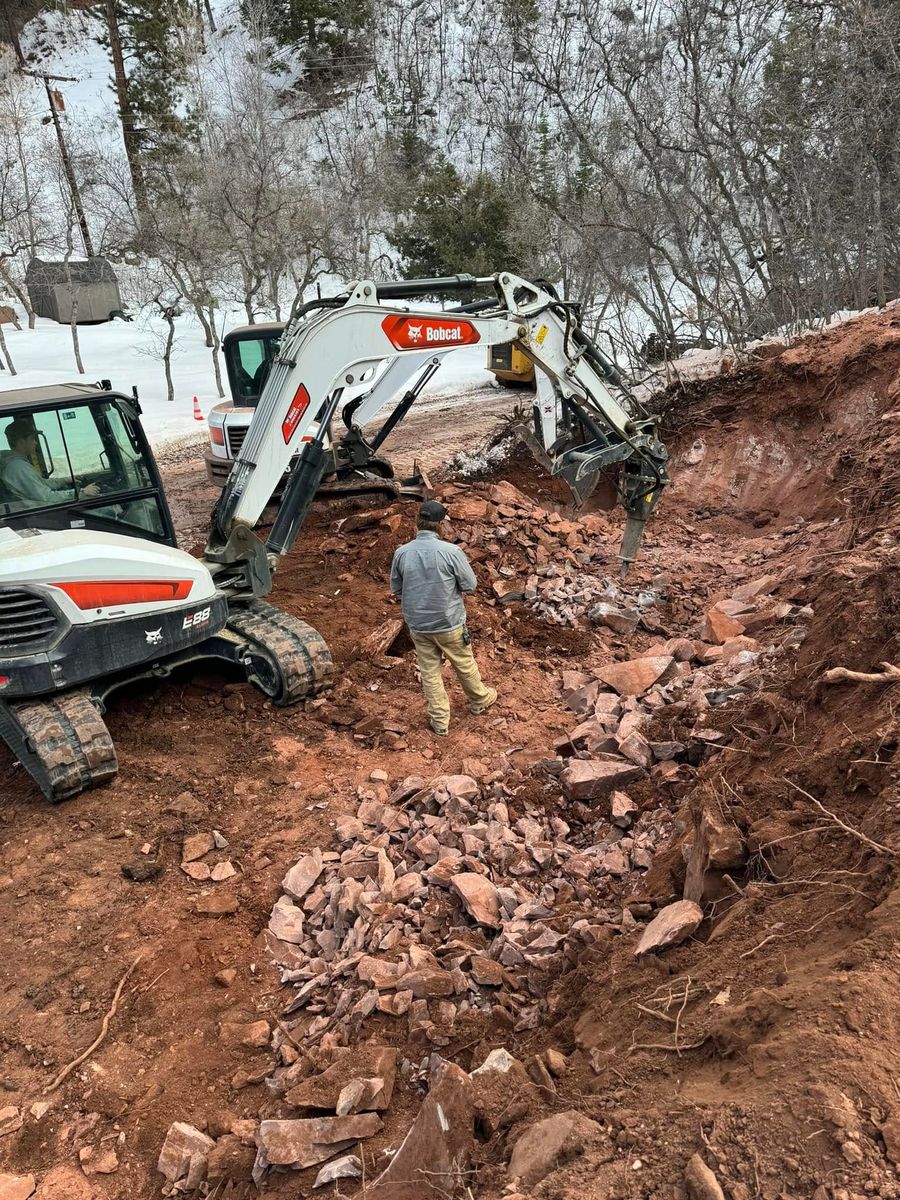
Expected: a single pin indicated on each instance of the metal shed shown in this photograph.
(91, 282)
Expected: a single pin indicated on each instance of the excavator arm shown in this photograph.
(584, 420)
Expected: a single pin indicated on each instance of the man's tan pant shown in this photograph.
(431, 650)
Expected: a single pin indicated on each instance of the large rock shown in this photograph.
(363, 1062)
(890, 1131)
(305, 1143)
(670, 926)
(717, 845)
(184, 1154)
(10, 1119)
(549, 1144)
(217, 905)
(254, 1034)
(758, 587)
(65, 1182)
(634, 677)
(195, 846)
(230, 1158)
(701, 1181)
(303, 874)
(503, 1093)
(426, 984)
(486, 971)
(582, 699)
(98, 1160)
(479, 896)
(594, 779)
(434, 1155)
(347, 1167)
(470, 509)
(719, 627)
(622, 810)
(286, 921)
(455, 787)
(16, 1187)
(620, 620)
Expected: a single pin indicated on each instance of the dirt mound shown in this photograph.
(764, 1042)
(777, 436)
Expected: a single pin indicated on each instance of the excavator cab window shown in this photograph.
(80, 465)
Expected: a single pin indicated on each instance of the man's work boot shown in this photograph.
(436, 729)
(491, 700)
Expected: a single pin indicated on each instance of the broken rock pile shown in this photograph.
(441, 906)
(502, 528)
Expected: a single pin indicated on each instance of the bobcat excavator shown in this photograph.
(93, 592)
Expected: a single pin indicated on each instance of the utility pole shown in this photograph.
(64, 154)
(130, 133)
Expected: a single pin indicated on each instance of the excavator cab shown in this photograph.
(74, 456)
(249, 352)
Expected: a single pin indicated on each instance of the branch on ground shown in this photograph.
(889, 674)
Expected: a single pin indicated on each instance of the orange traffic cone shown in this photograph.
(198, 415)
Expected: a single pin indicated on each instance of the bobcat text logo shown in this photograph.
(153, 636)
(194, 619)
(405, 333)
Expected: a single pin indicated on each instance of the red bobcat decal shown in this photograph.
(422, 333)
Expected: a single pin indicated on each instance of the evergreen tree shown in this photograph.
(329, 33)
(457, 227)
(151, 34)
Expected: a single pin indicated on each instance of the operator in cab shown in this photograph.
(22, 479)
(431, 577)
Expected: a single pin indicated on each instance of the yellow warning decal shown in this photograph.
(541, 334)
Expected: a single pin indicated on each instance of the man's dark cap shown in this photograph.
(431, 510)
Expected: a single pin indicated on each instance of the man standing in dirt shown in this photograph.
(430, 576)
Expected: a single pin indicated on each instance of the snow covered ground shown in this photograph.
(125, 353)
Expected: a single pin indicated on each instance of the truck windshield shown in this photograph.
(83, 455)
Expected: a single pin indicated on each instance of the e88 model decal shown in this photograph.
(192, 620)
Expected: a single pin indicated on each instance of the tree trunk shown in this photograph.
(73, 298)
(209, 13)
(215, 354)
(167, 356)
(75, 346)
(207, 330)
(6, 354)
(274, 294)
(126, 114)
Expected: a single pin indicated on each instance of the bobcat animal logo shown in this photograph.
(415, 333)
(153, 636)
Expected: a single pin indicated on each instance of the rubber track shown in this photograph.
(67, 745)
(298, 651)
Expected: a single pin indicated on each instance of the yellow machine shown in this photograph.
(510, 366)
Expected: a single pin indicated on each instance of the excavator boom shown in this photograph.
(585, 420)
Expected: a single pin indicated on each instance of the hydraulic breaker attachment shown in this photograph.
(642, 483)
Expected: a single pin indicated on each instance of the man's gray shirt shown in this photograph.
(429, 575)
(25, 483)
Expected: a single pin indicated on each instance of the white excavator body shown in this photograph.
(93, 591)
